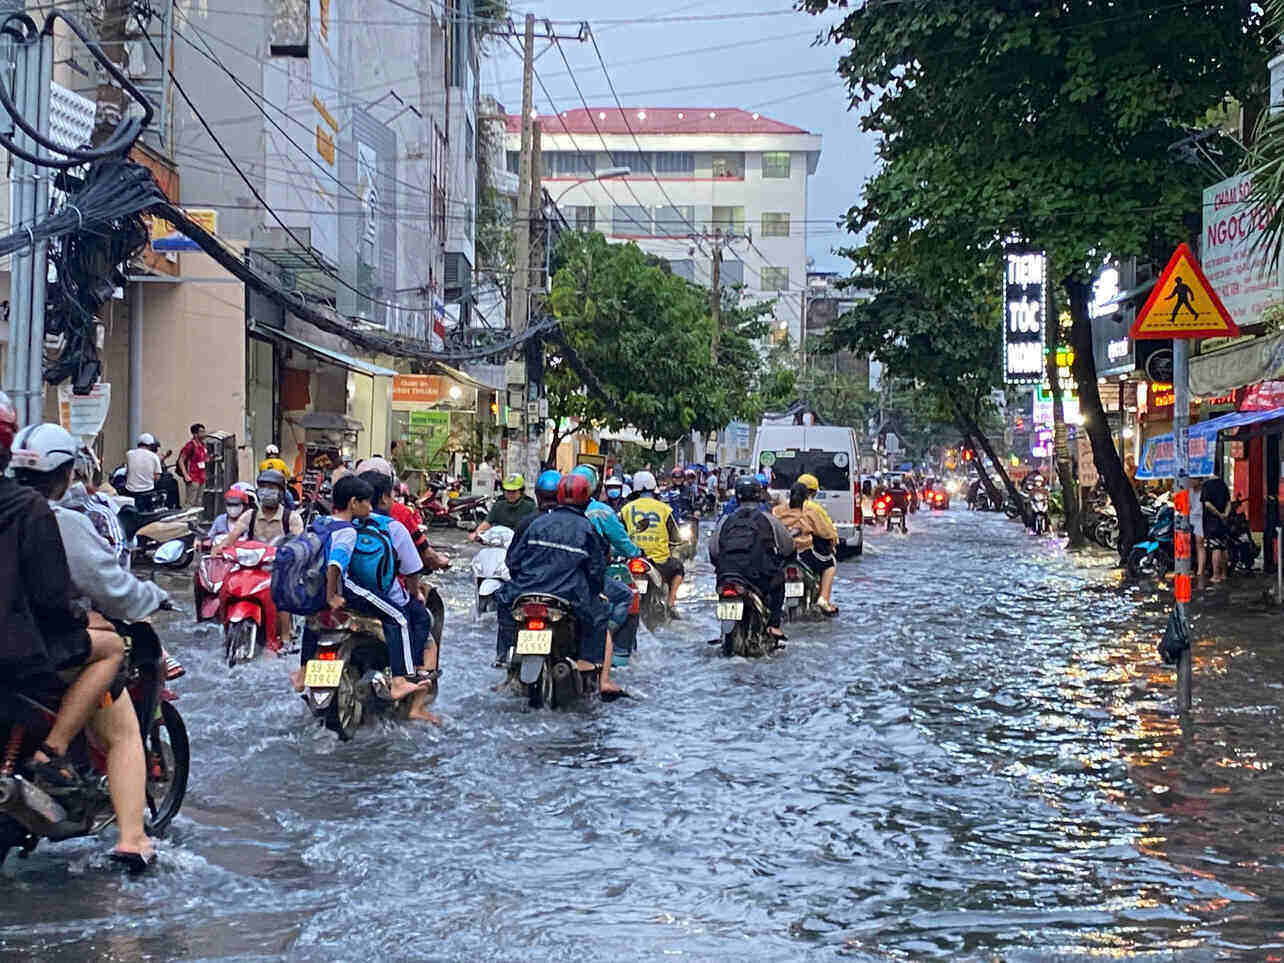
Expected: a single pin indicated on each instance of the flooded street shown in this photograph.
(977, 757)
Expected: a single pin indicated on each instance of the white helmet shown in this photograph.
(644, 481)
(44, 448)
(377, 463)
(147, 438)
(271, 450)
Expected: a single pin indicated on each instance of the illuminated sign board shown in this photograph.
(1024, 311)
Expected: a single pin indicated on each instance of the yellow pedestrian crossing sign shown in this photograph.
(1183, 304)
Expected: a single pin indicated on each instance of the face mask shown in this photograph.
(269, 497)
(234, 510)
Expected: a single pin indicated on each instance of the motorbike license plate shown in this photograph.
(730, 611)
(323, 673)
(642, 585)
(793, 590)
(534, 641)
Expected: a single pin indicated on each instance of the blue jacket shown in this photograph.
(610, 527)
(560, 553)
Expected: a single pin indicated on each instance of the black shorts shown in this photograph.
(670, 568)
(817, 563)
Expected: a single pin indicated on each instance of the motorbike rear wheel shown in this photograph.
(168, 765)
(241, 642)
(1145, 564)
(343, 717)
(541, 692)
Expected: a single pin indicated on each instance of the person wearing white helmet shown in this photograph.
(272, 461)
(44, 457)
(143, 468)
(651, 525)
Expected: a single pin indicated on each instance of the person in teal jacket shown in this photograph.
(605, 520)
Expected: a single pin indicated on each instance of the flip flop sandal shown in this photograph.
(132, 863)
(173, 669)
(612, 696)
(58, 776)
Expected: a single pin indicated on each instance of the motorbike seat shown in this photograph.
(346, 621)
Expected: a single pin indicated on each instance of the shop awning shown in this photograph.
(462, 377)
(1157, 458)
(316, 350)
(1249, 362)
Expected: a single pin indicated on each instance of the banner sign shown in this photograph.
(1241, 274)
(1024, 311)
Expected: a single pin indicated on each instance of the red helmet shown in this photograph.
(8, 421)
(236, 495)
(574, 490)
(676, 473)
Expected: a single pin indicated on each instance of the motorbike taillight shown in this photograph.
(535, 610)
(637, 566)
(729, 591)
(792, 574)
(536, 624)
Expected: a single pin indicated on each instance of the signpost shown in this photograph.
(1182, 306)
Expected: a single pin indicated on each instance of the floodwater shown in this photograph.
(977, 759)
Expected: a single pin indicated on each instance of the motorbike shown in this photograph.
(651, 591)
(886, 510)
(1154, 558)
(207, 581)
(689, 533)
(347, 682)
(29, 814)
(245, 602)
(490, 569)
(162, 539)
(468, 511)
(1241, 550)
(625, 638)
(545, 658)
(1039, 523)
(802, 590)
(742, 618)
(164, 496)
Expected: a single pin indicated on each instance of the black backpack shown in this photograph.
(741, 541)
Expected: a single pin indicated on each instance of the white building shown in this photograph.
(691, 171)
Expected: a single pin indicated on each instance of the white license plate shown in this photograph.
(642, 585)
(730, 611)
(534, 641)
(323, 673)
(793, 590)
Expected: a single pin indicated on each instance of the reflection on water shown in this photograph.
(977, 757)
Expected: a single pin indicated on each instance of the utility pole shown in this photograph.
(518, 303)
(715, 293)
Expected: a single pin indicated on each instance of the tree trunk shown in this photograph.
(986, 482)
(1131, 524)
(975, 431)
(1061, 448)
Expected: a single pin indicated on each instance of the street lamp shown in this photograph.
(604, 175)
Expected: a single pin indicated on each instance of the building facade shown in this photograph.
(669, 178)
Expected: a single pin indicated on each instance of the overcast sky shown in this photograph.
(675, 64)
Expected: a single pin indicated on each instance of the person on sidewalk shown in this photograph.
(1216, 499)
(191, 467)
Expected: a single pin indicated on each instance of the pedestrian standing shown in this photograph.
(1216, 500)
(191, 466)
(1197, 523)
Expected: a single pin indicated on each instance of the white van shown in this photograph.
(831, 454)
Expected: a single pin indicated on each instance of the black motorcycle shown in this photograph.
(743, 617)
(1241, 550)
(545, 658)
(802, 591)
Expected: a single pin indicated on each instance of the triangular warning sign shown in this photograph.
(1183, 304)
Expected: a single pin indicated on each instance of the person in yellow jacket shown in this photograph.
(823, 542)
(652, 527)
(272, 460)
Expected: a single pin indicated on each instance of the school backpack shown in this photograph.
(374, 560)
(298, 572)
(740, 541)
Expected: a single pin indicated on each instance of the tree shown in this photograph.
(634, 346)
(1050, 121)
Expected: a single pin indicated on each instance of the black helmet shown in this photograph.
(271, 477)
(748, 489)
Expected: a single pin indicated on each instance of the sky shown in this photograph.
(714, 63)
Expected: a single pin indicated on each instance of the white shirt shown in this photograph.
(143, 467)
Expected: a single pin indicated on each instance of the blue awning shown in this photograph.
(1157, 457)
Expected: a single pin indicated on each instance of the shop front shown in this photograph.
(443, 422)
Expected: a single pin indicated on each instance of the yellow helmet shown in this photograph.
(810, 481)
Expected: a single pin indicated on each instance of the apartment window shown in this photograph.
(729, 219)
(571, 164)
(547, 164)
(775, 224)
(684, 269)
(288, 35)
(674, 221)
(775, 278)
(731, 165)
(513, 161)
(468, 221)
(638, 162)
(732, 273)
(677, 163)
(775, 163)
(584, 218)
(630, 219)
(439, 182)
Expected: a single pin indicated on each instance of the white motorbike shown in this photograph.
(490, 570)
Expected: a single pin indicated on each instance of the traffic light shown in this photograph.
(968, 454)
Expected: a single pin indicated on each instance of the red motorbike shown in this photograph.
(466, 511)
(245, 602)
(28, 813)
(207, 581)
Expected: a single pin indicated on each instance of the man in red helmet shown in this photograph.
(560, 553)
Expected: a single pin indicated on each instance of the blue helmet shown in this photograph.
(547, 481)
(762, 479)
(589, 472)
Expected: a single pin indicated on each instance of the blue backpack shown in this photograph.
(374, 560)
(298, 573)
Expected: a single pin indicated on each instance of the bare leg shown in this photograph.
(400, 687)
(1199, 555)
(827, 582)
(604, 682)
(117, 726)
(673, 591)
(83, 698)
(285, 630)
(418, 712)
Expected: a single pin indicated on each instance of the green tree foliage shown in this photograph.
(1051, 121)
(643, 335)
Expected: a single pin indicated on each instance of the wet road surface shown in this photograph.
(978, 758)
